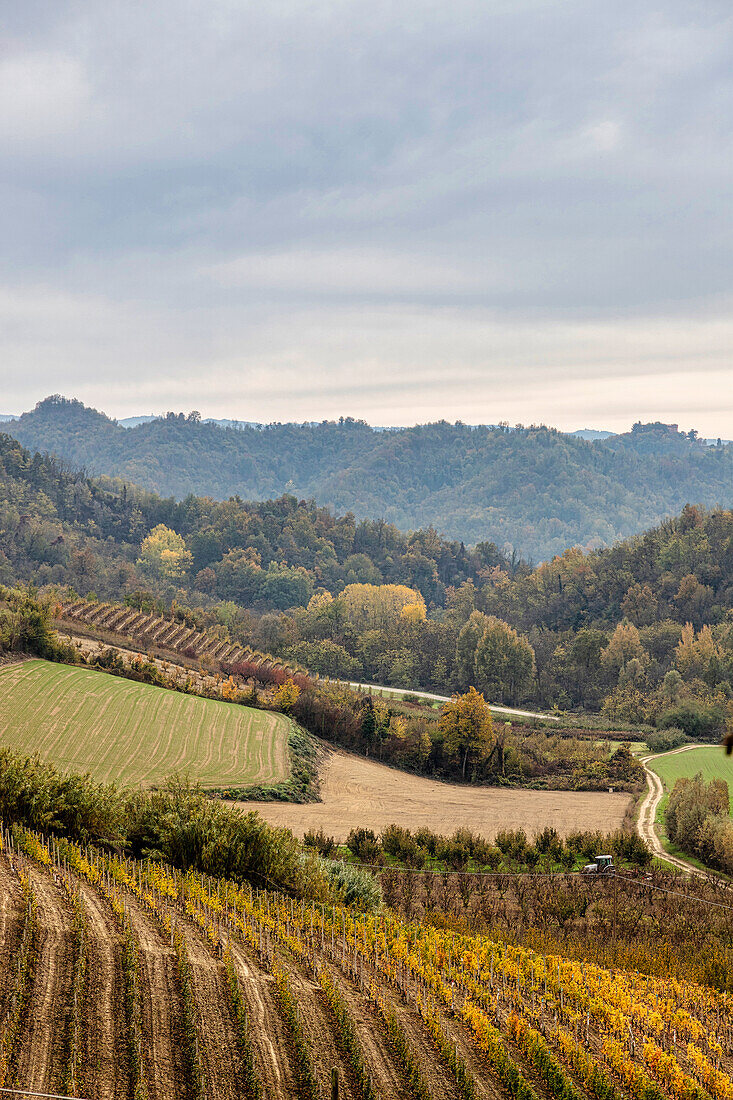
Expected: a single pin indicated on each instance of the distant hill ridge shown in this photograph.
(534, 489)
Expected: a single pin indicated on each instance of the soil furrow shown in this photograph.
(266, 1032)
(319, 1025)
(104, 1040)
(11, 930)
(487, 1088)
(376, 1047)
(218, 1045)
(438, 1077)
(163, 1038)
(42, 1052)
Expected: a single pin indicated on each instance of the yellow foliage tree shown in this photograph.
(624, 646)
(413, 613)
(380, 606)
(164, 553)
(229, 690)
(467, 728)
(699, 656)
(286, 696)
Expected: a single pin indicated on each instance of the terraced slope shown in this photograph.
(134, 733)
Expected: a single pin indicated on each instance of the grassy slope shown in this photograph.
(710, 760)
(134, 733)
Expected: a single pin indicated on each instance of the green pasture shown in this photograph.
(709, 760)
(116, 729)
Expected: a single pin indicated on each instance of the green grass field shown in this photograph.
(711, 761)
(136, 734)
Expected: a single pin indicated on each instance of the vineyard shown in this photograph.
(117, 624)
(148, 630)
(135, 733)
(131, 979)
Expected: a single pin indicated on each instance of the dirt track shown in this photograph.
(646, 824)
(356, 791)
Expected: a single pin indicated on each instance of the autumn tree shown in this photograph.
(467, 729)
(504, 662)
(699, 656)
(624, 645)
(286, 696)
(381, 606)
(164, 554)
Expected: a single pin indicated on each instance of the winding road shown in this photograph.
(446, 699)
(648, 813)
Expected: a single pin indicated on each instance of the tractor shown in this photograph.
(603, 865)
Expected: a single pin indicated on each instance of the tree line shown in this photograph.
(640, 630)
(506, 485)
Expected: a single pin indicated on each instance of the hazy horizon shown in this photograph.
(231, 418)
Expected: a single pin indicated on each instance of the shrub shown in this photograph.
(665, 739)
(401, 844)
(513, 844)
(395, 839)
(324, 845)
(352, 885)
(698, 720)
(427, 839)
(364, 845)
(629, 848)
(455, 854)
(546, 841)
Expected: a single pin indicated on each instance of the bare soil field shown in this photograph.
(356, 791)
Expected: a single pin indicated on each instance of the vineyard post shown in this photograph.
(334, 1084)
(615, 911)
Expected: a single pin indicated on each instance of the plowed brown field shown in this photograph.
(355, 791)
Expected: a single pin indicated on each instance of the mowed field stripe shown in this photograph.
(85, 720)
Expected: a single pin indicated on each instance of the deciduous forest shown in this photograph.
(532, 489)
(640, 631)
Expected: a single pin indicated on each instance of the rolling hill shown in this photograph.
(134, 733)
(535, 489)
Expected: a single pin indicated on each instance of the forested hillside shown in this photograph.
(59, 526)
(534, 489)
(642, 630)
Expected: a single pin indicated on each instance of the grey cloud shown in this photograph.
(188, 184)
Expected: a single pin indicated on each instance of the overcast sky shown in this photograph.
(493, 210)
